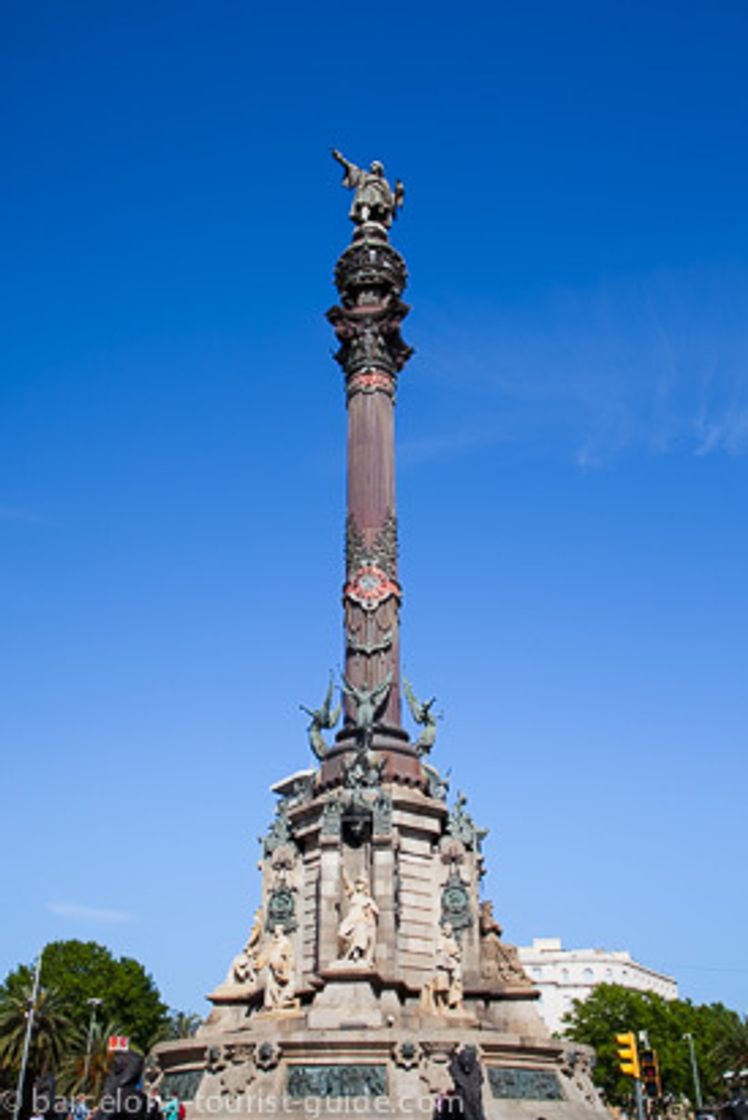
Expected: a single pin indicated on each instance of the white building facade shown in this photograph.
(563, 975)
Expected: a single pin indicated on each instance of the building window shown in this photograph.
(564, 976)
(588, 976)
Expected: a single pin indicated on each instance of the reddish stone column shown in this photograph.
(370, 277)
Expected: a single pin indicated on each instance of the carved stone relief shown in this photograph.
(456, 908)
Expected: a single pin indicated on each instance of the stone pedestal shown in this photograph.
(348, 1000)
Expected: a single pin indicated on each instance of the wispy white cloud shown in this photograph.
(78, 912)
(651, 365)
(728, 433)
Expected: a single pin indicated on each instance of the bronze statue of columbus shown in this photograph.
(374, 199)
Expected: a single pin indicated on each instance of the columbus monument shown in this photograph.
(374, 977)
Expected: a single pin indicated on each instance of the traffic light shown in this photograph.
(650, 1073)
(628, 1055)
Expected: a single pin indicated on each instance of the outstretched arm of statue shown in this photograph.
(351, 173)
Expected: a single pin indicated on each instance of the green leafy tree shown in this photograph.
(718, 1036)
(50, 1036)
(83, 970)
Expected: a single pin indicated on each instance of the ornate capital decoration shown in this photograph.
(370, 342)
(370, 276)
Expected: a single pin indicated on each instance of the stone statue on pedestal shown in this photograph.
(374, 199)
(357, 932)
(448, 989)
(444, 991)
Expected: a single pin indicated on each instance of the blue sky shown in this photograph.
(572, 441)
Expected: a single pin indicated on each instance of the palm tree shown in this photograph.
(73, 1077)
(731, 1050)
(180, 1024)
(184, 1024)
(49, 1037)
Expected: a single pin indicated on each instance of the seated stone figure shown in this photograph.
(498, 961)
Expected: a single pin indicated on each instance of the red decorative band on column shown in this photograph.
(373, 381)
